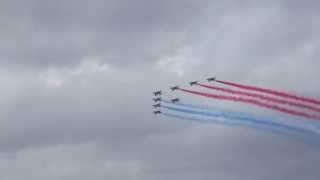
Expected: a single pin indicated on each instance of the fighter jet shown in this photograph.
(175, 100)
(157, 105)
(193, 83)
(174, 88)
(156, 112)
(211, 79)
(157, 93)
(157, 99)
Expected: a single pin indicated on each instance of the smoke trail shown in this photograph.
(254, 102)
(312, 138)
(271, 99)
(273, 92)
(206, 109)
(193, 118)
(240, 119)
(296, 122)
(203, 108)
(312, 125)
(203, 119)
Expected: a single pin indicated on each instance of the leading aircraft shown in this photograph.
(157, 99)
(193, 83)
(156, 112)
(175, 100)
(211, 79)
(157, 105)
(174, 88)
(157, 93)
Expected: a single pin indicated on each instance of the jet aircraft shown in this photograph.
(157, 105)
(211, 79)
(157, 99)
(193, 83)
(175, 100)
(157, 93)
(174, 88)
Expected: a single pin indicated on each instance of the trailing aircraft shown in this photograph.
(157, 93)
(157, 99)
(156, 112)
(175, 100)
(193, 83)
(157, 105)
(211, 79)
(174, 88)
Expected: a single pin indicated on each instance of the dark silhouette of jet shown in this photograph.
(174, 88)
(157, 99)
(156, 112)
(211, 79)
(157, 93)
(157, 105)
(175, 100)
(193, 83)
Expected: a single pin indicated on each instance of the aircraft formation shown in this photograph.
(306, 108)
(158, 93)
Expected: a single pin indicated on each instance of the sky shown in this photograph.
(77, 79)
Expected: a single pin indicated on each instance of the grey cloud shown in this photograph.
(77, 113)
(57, 33)
(54, 33)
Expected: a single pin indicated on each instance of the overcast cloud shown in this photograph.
(76, 81)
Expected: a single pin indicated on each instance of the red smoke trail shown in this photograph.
(269, 91)
(268, 98)
(254, 102)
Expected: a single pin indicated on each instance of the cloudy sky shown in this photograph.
(76, 81)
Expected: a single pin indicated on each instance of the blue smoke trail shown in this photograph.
(198, 119)
(229, 123)
(202, 108)
(305, 138)
(306, 124)
(243, 120)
